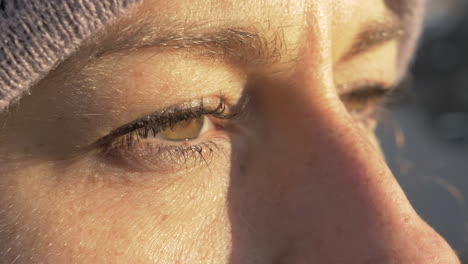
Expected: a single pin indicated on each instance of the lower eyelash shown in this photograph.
(163, 158)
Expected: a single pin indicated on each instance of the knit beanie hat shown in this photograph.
(37, 35)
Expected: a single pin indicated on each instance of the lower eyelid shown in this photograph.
(153, 155)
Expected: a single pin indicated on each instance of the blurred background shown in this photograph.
(425, 132)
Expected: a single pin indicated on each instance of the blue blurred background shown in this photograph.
(425, 132)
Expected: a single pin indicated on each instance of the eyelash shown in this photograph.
(118, 145)
(370, 96)
(151, 125)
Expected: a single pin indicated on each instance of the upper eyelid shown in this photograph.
(347, 88)
(369, 89)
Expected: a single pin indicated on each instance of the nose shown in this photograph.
(320, 191)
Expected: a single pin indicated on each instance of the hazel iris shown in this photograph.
(183, 130)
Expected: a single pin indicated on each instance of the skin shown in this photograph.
(299, 179)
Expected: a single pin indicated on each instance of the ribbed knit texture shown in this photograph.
(36, 35)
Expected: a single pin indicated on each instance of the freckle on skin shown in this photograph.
(406, 219)
(164, 217)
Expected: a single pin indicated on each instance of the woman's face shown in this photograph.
(214, 132)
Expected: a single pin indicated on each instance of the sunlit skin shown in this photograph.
(295, 177)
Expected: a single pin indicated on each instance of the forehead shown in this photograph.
(238, 10)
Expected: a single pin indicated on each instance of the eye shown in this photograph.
(185, 130)
(364, 101)
(178, 137)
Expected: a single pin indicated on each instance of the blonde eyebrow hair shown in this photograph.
(374, 34)
(244, 44)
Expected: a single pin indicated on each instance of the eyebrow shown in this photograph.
(244, 44)
(373, 35)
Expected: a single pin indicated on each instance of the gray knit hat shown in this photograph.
(37, 35)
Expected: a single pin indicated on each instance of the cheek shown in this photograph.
(46, 219)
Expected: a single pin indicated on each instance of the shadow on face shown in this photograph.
(133, 159)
